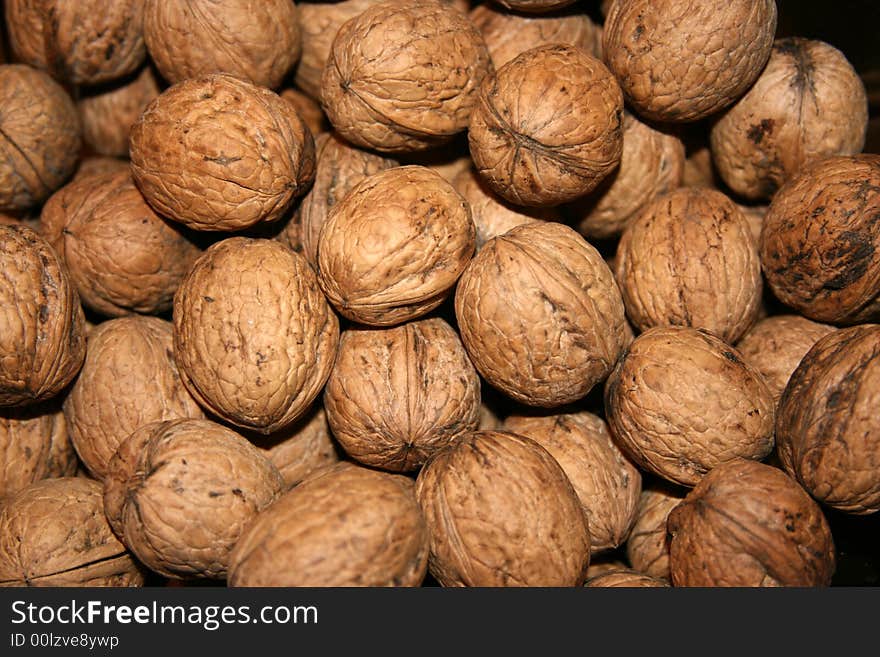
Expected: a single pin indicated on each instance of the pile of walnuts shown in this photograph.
(395, 293)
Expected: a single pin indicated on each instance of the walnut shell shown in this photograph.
(180, 493)
(42, 343)
(218, 153)
(777, 344)
(647, 547)
(345, 526)
(255, 41)
(396, 396)
(33, 446)
(604, 563)
(625, 578)
(122, 257)
(652, 164)
(79, 42)
(501, 512)
(540, 314)
(392, 249)
(108, 113)
(827, 426)
(689, 259)
(606, 483)
(129, 378)
(681, 402)
(748, 524)
(54, 533)
(507, 35)
(808, 103)
(754, 214)
(402, 77)
(820, 245)
(309, 111)
(253, 337)
(340, 167)
(97, 164)
(40, 137)
(683, 60)
(534, 6)
(548, 126)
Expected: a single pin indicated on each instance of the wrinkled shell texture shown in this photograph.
(308, 109)
(534, 6)
(492, 215)
(402, 77)
(33, 446)
(776, 345)
(107, 114)
(42, 343)
(828, 430)
(346, 526)
(652, 164)
(129, 379)
(55, 533)
(681, 402)
(396, 396)
(501, 512)
(180, 494)
(256, 40)
(820, 245)
(809, 103)
(690, 259)
(683, 60)
(253, 336)
(749, 524)
(79, 42)
(625, 578)
(392, 249)
(548, 126)
(540, 314)
(122, 257)
(507, 35)
(648, 546)
(340, 167)
(40, 137)
(606, 483)
(218, 153)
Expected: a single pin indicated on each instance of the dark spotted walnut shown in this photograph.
(749, 524)
(681, 402)
(827, 426)
(648, 545)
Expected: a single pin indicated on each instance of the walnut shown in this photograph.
(683, 60)
(122, 256)
(107, 113)
(403, 77)
(754, 214)
(33, 446)
(652, 165)
(42, 343)
(78, 42)
(534, 6)
(218, 153)
(699, 171)
(540, 314)
(309, 111)
(647, 547)
(681, 402)
(606, 483)
(98, 164)
(501, 512)
(603, 563)
(548, 126)
(40, 137)
(748, 524)
(345, 526)
(129, 378)
(397, 396)
(827, 428)
(340, 167)
(253, 336)
(180, 493)
(392, 249)
(820, 245)
(54, 533)
(809, 103)
(625, 578)
(254, 41)
(777, 344)
(689, 259)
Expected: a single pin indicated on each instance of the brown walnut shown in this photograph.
(625, 578)
(647, 547)
(308, 109)
(534, 6)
